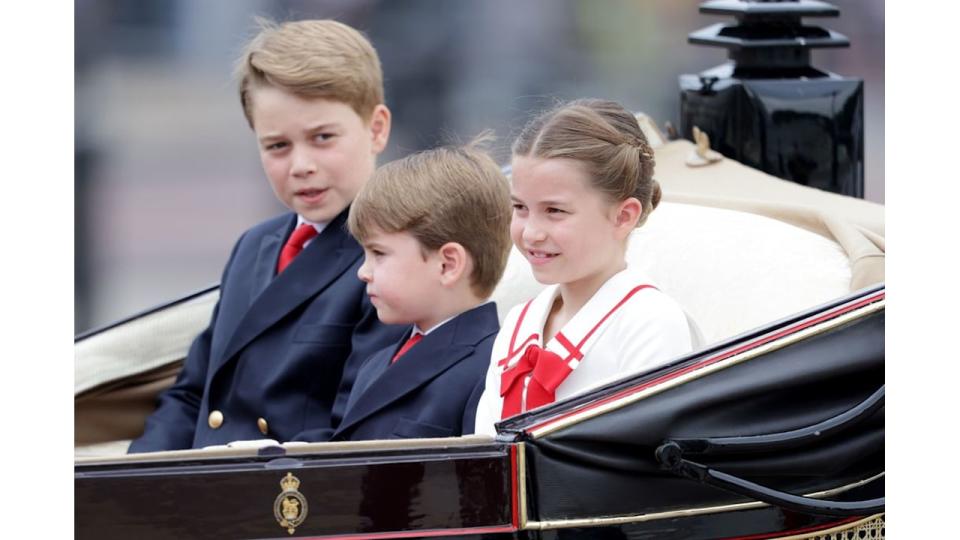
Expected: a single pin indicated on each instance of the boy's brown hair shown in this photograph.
(447, 194)
(314, 59)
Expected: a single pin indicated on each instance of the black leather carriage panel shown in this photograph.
(329, 334)
(611, 457)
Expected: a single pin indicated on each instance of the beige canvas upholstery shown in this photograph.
(119, 372)
(856, 225)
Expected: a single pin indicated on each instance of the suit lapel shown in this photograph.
(369, 372)
(266, 264)
(439, 350)
(324, 260)
(418, 366)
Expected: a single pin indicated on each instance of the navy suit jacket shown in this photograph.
(277, 346)
(431, 391)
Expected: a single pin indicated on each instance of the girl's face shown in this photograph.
(567, 229)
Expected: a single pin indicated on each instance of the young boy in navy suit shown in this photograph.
(293, 321)
(434, 228)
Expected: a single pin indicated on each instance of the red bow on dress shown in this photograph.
(548, 369)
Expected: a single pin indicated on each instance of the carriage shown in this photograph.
(773, 427)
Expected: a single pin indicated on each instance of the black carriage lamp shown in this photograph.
(768, 107)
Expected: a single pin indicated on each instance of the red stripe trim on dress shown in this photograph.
(505, 359)
(516, 330)
(609, 313)
(711, 360)
(571, 348)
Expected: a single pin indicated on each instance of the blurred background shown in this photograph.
(167, 171)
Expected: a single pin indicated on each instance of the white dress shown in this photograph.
(627, 327)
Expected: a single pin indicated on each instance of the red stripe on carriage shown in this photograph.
(713, 360)
(514, 487)
(421, 534)
(791, 532)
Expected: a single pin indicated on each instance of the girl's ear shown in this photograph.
(380, 127)
(627, 214)
(454, 263)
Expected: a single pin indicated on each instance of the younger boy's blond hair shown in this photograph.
(315, 59)
(447, 194)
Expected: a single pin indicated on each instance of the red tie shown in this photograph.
(547, 371)
(294, 245)
(414, 339)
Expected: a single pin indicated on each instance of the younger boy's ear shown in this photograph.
(454, 263)
(628, 213)
(380, 127)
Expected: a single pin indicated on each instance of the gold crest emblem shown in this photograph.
(290, 506)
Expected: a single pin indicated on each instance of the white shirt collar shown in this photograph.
(318, 226)
(417, 330)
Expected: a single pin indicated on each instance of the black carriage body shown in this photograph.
(768, 107)
(459, 488)
(810, 133)
(586, 467)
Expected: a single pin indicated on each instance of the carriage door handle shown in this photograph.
(671, 456)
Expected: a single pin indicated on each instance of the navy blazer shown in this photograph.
(431, 390)
(277, 346)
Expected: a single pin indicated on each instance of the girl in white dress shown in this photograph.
(582, 181)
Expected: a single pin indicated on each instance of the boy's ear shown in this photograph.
(454, 263)
(627, 214)
(380, 127)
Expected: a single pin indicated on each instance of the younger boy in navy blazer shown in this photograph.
(292, 316)
(435, 231)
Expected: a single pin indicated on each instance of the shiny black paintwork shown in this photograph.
(768, 107)
(355, 493)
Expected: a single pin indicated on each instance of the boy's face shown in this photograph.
(402, 282)
(317, 153)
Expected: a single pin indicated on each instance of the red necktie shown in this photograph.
(548, 370)
(414, 339)
(294, 245)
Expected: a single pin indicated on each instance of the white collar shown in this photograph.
(417, 330)
(318, 226)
